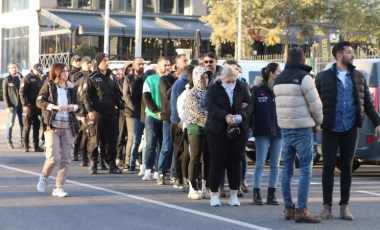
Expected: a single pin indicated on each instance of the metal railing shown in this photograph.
(48, 59)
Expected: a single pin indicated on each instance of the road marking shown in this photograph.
(369, 193)
(312, 183)
(203, 214)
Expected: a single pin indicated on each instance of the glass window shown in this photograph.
(15, 5)
(60, 43)
(15, 47)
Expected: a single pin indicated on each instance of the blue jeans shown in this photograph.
(297, 141)
(166, 154)
(11, 121)
(262, 144)
(138, 128)
(153, 131)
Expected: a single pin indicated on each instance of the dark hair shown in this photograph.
(55, 71)
(194, 62)
(212, 55)
(270, 68)
(189, 70)
(339, 47)
(296, 55)
(12, 63)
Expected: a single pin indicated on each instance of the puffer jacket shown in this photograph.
(297, 100)
(326, 82)
(195, 99)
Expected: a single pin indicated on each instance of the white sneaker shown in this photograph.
(214, 200)
(194, 194)
(234, 200)
(155, 175)
(59, 192)
(148, 175)
(42, 182)
(142, 170)
(205, 191)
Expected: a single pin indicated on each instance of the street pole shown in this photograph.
(107, 27)
(239, 32)
(138, 28)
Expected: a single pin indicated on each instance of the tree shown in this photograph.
(271, 22)
(85, 50)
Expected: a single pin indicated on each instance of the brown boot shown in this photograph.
(326, 212)
(289, 212)
(303, 216)
(345, 212)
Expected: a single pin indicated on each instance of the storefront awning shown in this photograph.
(123, 25)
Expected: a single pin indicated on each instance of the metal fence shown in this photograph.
(48, 59)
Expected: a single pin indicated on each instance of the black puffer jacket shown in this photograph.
(326, 82)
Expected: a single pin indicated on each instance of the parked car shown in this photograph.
(368, 149)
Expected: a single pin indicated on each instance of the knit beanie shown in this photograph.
(99, 58)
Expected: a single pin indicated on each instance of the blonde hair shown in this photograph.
(227, 71)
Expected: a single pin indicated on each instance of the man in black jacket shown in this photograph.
(100, 97)
(345, 97)
(132, 96)
(29, 90)
(11, 87)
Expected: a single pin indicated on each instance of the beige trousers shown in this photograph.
(59, 146)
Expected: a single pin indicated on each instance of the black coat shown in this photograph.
(165, 86)
(29, 90)
(132, 95)
(326, 82)
(218, 107)
(11, 88)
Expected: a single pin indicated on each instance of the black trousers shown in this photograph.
(225, 154)
(122, 134)
(30, 120)
(198, 158)
(347, 142)
(177, 137)
(185, 156)
(105, 129)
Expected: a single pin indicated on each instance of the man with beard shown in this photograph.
(153, 119)
(29, 88)
(100, 98)
(345, 97)
(210, 62)
(132, 96)
(11, 87)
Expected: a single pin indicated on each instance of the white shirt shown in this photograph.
(342, 77)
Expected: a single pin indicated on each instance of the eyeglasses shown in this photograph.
(208, 61)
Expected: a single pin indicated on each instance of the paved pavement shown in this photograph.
(106, 201)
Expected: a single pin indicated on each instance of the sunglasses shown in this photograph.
(208, 61)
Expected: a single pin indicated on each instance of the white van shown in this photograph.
(251, 69)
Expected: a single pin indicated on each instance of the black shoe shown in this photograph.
(76, 158)
(103, 166)
(38, 149)
(222, 191)
(244, 187)
(257, 200)
(93, 168)
(114, 170)
(240, 193)
(271, 199)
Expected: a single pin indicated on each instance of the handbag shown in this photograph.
(233, 132)
(74, 124)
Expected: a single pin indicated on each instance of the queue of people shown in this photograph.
(191, 123)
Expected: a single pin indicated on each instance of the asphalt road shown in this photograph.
(124, 201)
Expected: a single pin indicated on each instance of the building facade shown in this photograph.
(47, 31)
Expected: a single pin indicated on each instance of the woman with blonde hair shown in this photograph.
(57, 99)
(229, 111)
